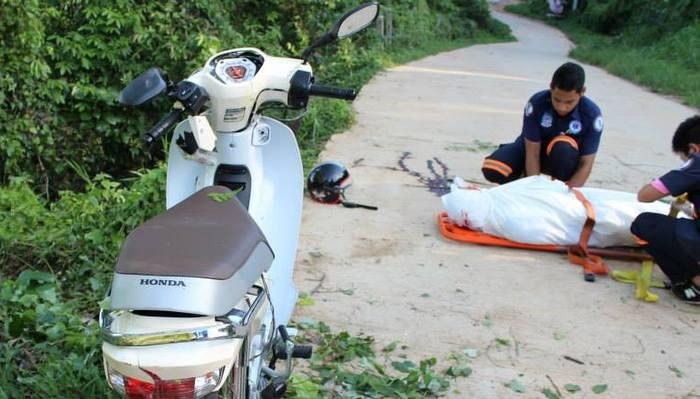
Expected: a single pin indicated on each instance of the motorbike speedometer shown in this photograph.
(235, 70)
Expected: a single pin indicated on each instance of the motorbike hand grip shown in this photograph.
(332, 92)
(162, 126)
(302, 351)
(299, 352)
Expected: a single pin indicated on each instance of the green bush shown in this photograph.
(640, 20)
(654, 43)
(61, 253)
(64, 63)
(47, 350)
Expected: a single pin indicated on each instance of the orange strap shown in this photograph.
(578, 254)
(562, 138)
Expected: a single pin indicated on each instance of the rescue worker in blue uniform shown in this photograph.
(675, 243)
(560, 135)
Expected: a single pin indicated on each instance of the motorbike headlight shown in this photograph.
(185, 388)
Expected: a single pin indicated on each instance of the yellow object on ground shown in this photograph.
(642, 279)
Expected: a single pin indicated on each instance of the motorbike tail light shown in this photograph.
(186, 388)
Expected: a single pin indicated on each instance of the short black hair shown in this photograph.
(570, 76)
(688, 132)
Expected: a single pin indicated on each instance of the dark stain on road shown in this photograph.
(438, 184)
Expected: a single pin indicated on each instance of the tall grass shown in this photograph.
(668, 64)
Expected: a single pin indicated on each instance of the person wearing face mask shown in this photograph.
(675, 243)
(560, 135)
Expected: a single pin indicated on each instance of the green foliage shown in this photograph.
(640, 20)
(345, 366)
(78, 235)
(656, 43)
(43, 338)
(64, 63)
(49, 317)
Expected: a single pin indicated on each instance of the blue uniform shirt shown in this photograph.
(584, 124)
(686, 179)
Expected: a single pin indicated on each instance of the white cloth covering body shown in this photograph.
(539, 210)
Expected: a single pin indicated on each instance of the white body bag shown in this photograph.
(539, 210)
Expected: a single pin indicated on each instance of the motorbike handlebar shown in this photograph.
(332, 92)
(162, 126)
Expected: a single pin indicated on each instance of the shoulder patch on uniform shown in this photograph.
(529, 108)
(598, 123)
(546, 120)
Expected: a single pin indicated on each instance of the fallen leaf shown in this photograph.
(516, 386)
(549, 394)
(390, 347)
(600, 388)
(222, 197)
(460, 370)
(502, 341)
(471, 353)
(572, 388)
(679, 373)
(305, 299)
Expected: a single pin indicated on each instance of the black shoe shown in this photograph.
(687, 292)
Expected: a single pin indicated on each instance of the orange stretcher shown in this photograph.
(457, 233)
(579, 254)
(589, 258)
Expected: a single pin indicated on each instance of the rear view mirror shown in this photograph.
(145, 87)
(350, 23)
(356, 20)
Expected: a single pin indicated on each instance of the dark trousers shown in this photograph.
(670, 241)
(558, 158)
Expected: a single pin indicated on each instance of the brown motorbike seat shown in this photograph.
(204, 236)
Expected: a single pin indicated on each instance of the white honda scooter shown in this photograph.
(202, 293)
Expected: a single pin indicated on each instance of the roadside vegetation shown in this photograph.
(346, 366)
(652, 43)
(75, 178)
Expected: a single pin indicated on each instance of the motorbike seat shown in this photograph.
(202, 236)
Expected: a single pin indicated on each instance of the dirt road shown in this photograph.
(390, 274)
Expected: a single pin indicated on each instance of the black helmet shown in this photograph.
(327, 182)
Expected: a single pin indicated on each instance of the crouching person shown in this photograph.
(675, 243)
(560, 135)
